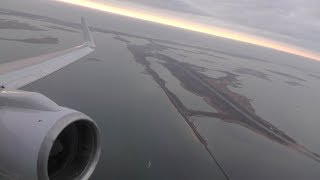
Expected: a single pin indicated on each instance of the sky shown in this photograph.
(293, 21)
(286, 25)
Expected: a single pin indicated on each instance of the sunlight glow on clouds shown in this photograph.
(193, 26)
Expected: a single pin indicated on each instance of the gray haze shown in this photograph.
(292, 21)
(175, 104)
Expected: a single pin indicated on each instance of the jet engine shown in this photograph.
(42, 140)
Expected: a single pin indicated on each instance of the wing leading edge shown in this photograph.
(14, 75)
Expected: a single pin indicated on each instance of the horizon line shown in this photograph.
(196, 27)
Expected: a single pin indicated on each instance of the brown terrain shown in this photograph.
(231, 107)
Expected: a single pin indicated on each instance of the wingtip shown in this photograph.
(86, 34)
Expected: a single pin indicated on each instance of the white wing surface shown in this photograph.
(14, 75)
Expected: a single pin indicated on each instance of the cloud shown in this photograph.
(294, 21)
(191, 24)
(291, 21)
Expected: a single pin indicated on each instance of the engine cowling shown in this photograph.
(41, 140)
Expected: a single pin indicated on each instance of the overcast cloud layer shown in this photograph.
(293, 21)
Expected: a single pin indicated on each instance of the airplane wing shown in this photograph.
(14, 75)
(36, 134)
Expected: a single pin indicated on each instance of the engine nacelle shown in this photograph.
(41, 140)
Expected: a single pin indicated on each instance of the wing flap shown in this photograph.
(19, 73)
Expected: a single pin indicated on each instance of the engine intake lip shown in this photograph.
(85, 167)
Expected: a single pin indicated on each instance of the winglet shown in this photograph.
(86, 34)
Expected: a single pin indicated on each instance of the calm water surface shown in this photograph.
(140, 123)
